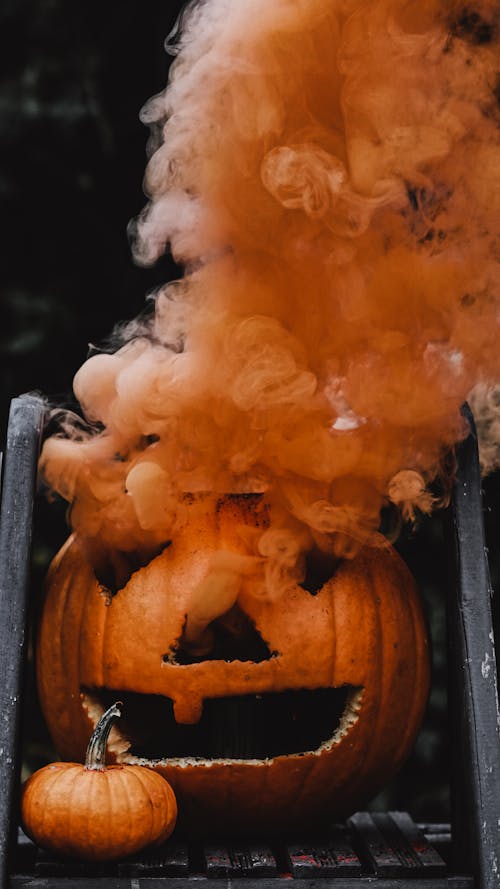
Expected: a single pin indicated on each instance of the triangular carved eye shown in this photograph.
(320, 567)
(233, 637)
(114, 568)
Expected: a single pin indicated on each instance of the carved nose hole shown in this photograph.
(234, 637)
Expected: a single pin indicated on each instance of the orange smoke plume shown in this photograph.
(329, 177)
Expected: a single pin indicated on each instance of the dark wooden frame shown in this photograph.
(474, 708)
(474, 700)
(16, 517)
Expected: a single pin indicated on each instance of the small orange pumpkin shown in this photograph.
(96, 812)
(342, 674)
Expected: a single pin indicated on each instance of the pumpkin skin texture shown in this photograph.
(97, 813)
(363, 630)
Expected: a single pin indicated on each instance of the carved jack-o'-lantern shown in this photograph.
(298, 708)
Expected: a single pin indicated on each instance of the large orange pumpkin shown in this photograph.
(327, 691)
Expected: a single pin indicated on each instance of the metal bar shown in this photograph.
(473, 688)
(243, 860)
(225, 882)
(347, 860)
(217, 862)
(169, 860)
(18, 487)
(428, 859)
(373, 847)
(397, 842)
(331, 858)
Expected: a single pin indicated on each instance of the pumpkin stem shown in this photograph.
(95, 758)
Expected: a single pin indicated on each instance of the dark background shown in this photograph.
(72, 158)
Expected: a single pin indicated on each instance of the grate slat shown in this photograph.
(332, 857)
(373, 847)
(428, 859)
(240, 861)
(168, 860)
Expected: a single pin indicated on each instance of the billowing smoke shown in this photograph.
(328, 174)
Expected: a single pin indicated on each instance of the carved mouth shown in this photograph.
(246, 727)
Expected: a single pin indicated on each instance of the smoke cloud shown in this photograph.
(328, 175)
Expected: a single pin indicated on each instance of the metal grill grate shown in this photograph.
(387, 846)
